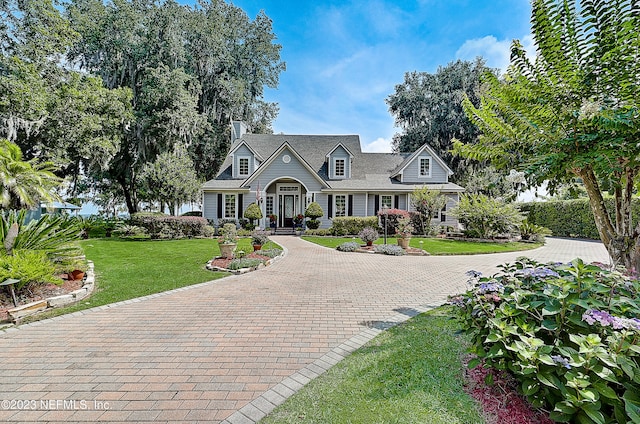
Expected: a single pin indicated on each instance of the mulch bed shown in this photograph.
(500, 401)
(35, 293)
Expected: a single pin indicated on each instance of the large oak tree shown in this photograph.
(573, 111)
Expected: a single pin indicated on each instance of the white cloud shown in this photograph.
(379, 145)
(495, 52)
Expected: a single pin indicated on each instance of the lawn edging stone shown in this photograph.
(33, 308)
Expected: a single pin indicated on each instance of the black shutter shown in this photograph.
(240, 206)
(220, 206)
(396, 201)
(330, 206)
(350, 206)
(443, 216)
(376, 200)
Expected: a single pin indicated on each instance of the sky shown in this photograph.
(344, 58)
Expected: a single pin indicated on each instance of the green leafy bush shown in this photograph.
(569, 333)
(352, 225)
(28, 266)
(228, 234)
(132, 232)
(484, 217)
(244, 263)
(253, 212)
(314, 211)
(389, 249)
(533, 232)
(350, 246)
(160, 226)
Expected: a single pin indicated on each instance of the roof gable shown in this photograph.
(271, 159)
(425, 148)
(336, 147)
(243, 143)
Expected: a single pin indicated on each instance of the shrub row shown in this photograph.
(352, 225)
(171, 227)
(570, 218)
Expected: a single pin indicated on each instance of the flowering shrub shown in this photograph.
(390, 249)
(350, 246)
(391, 218)
(569, 333)
(368, 234)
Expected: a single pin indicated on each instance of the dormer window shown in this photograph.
(339, 168)
(425, 167)
(243, 167)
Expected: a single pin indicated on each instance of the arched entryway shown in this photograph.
(286, 198)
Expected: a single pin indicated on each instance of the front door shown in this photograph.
(288, 210)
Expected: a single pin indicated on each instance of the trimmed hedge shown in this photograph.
(352, 225)
(570, 218)
(171, 227)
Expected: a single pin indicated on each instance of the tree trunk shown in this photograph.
(132, 207)
(624, 248)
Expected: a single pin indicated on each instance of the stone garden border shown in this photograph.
(33, 308)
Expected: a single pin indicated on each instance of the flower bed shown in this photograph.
(568, 333)
(224, 264)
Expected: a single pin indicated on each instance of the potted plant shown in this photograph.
(313, 211)
(368, 235)
(403, 232)
(297, 221)
(258, 239)
(273, 221)
(227, 240)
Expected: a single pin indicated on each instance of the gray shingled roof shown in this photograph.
(369, 170)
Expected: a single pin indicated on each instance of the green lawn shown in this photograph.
(409, 374)
(436, 246)
(128, 269)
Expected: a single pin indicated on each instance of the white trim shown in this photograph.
(420, 159)
(248, 158)
(224, 206)
(346, 204)
(334, 167)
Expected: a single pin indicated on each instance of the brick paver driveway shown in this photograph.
(231, 349)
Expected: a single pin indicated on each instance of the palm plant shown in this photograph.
(51, 234)
(24, 183)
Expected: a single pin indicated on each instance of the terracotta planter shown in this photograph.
(404, 242)
(369, 243)
(226, 250)
(257, 247)
(76, 274)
